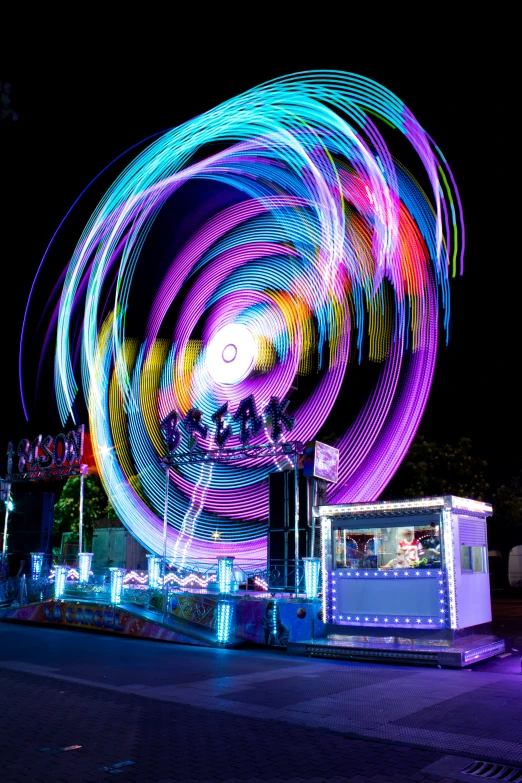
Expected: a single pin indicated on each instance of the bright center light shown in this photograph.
(231, 354)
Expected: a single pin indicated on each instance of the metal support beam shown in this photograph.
(296, 521)
(80, 522)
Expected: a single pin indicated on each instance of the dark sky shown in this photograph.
(75, 116)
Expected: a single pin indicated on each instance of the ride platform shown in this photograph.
(455, 653)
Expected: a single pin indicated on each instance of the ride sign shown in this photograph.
(47, 457)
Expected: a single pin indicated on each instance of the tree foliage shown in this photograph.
(507, 503)
(96, 505)
(430, 468)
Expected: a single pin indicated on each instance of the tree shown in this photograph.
(507, 503)
(430, 468)
(96, 505)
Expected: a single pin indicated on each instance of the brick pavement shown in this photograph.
(173, 742)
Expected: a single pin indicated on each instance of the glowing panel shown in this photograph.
(60, 578)
(84, 566)
(36, 564)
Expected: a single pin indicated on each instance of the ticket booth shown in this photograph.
(408, 571)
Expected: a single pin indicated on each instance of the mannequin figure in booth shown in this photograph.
(411, 547)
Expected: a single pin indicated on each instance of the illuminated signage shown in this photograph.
(74, 614)
(250, 423)
(321, 461)
(47, 454)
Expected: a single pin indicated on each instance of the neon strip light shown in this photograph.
(312, 567)
(325, 537)
(368, 508)
(155, 567)
(395, 620)
(449, 559)
(60, 576)
(192, 580)
(36, 564)
(225, 616)
(466, 504)
(225, 574)
(84, 566)
(133, 576)
(117, 575)
(275, 618)
(392, 620)
(401, 573)
(72, 573)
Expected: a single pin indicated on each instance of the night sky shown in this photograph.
(75, 118)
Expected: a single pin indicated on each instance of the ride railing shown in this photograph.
(157, 588)
(20, 590)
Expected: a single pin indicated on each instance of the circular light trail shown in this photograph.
(229, 353)
(328, 255)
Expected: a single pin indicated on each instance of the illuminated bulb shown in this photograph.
(225, 574)
(60, 576)
(117, 575)
(225, 622)
(84, 566)
(36, 564)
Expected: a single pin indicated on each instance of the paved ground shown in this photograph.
(507, 616)
(186, 713)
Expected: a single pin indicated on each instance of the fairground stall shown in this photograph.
(407, 579)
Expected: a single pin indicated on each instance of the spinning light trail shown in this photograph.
(328, 250)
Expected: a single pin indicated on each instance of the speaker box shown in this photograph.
(281, 527)
(30, 528)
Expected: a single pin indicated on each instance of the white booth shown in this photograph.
(406, 579)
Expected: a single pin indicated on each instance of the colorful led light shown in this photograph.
(312, 569)
(224, 622)
(84, 566)
(36, 564)
(326, 531)
(225, 574)
(449, 560)
(117, 575)
(60, 577)
(328, 245)
(155, 571)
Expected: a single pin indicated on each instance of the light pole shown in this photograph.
(165, 523)
(296, 521)
(80, 521)
(5, 494)
(165, 516)
(6, 520)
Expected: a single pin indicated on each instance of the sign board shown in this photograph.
(47, 457)
(321, 461)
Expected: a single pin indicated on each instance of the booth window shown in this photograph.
(473, 559)
(395, 547)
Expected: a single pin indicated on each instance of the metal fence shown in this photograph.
(156, 593)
